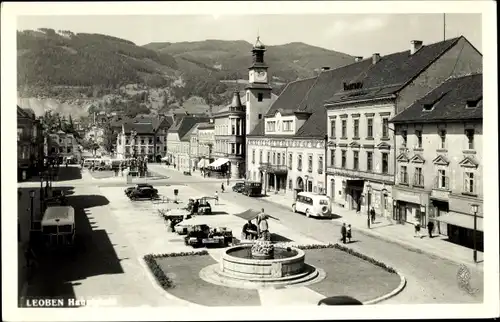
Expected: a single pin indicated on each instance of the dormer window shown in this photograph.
(473, 103)
(287, 126)
(428, 107)
(271, 126)
(260, 97)
(352, 86)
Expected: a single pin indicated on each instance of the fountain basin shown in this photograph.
(285, 263)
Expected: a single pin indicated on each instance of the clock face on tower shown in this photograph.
(260, 76)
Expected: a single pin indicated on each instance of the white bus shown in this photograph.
(312, 205)
(58, 226)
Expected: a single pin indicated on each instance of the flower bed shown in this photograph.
(350, 252)
(158, 273)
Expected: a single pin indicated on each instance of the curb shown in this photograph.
(387, 296)
(411, 247)
(160, 289)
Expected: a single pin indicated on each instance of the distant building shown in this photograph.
(62, 145)
(29, 144)
(206, 143)
(178, 142)
(440, 159)
(143, 136)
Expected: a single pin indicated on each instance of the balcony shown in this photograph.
(441, 188)
(418, 180)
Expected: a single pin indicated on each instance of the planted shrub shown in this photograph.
(158, 272)
(350, 252)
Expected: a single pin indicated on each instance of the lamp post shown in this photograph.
(32, 198)
(474, 209)
(368, 195)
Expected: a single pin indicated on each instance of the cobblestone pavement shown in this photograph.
(430, 279)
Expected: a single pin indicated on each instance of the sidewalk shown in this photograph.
(403, 234)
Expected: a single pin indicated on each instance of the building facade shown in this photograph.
(62, 145)
(206, 143)
(30, 152)
(439, 162)
(143, 136)
(229, 135)
(362, 145)
(179, 141)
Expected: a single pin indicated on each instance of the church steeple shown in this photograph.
(258, 54)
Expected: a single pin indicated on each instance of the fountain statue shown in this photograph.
(262, 249)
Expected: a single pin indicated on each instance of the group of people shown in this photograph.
(346, 233)
(259, 231)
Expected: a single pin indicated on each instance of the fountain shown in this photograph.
(262, 265)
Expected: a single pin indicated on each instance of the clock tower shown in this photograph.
(258, 91)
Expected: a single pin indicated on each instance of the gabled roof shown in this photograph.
(469, 162)
(25, 113)
(185, 124)
(291, 96)
(441, 160)
(417, 158)
(448, 102)
(392, 72)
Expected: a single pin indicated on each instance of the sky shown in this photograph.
(353, 34)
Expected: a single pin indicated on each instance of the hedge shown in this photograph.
(158, 272)
(350, 252)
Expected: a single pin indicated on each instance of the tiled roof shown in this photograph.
(206, 126)
(393, 72)
(448, 102)
(140, 128)
(291, 96)
(185, 124)
(188, 134)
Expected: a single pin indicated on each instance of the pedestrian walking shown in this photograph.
(417, 228)
(372, 215)
(222, 187)
(343, 232)
(358, 206)
(216, 198)
(430, 228)
(349, 232)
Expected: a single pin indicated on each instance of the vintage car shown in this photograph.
(239, 187)
(143, 193)
(139, 185)
(312, 205)
(203, 236)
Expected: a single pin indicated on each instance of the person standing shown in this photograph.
(372, 215)
(417, 228)
(222, 187)
(349, 233)
(358, 206)
(430, 227)
(216, 198)
(343, 232)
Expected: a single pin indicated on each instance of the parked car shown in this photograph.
(312, 205)
(202, 235)
(252, 188)
(139, 185)
(143, 193)
(239, 187)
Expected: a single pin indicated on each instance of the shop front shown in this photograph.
(409, 206)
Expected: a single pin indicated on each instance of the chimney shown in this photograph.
(375, 58)
(415, 46)
(236, 103)
(325, 68)
(358, 58)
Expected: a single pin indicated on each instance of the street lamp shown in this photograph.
(368, 195)
(32, 198)
(474, 209)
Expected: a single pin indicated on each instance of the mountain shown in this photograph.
(99, 72)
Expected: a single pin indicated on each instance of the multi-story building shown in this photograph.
(178, 142)
(143, 136)
(62, 145)
(29, 144)
(362, 148)
(439, 162)
(287, 148)
(229, 148)
(206, 143)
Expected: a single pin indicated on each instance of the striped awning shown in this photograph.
(217, 163)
